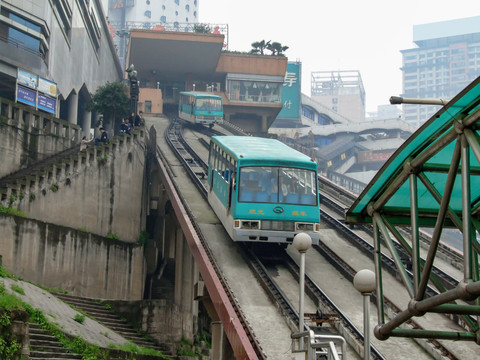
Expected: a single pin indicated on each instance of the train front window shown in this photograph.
(209, 104)
(277, 185)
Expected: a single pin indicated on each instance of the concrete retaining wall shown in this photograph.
(99, 190)
(81, 263)
(162, 320)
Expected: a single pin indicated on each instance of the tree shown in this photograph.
(111, 100)
(276, 48)
(259, 47)
(202, 28)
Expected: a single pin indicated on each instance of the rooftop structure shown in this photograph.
(341, 91)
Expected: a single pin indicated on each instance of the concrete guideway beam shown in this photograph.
(234, 330)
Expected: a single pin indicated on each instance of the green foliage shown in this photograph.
(112, 236)
(31, 197)
(259, 47)
(9, 301)
(144, 237)
(12, 211)
(79, 318)
(103, 160)
(202, 28)
(136, 349)
(276, 48)
(54, 187)
(17, 289)
(108, 307)
(111, 100)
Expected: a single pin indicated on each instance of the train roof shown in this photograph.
(257, 148)
(202, 94)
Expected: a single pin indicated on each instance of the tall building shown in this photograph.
(340, 91)
(445, 61)
(173, 15)
(63, 48)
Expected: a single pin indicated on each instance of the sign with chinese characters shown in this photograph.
(291, 92)
(46, 103)
(26, 96)
(27, 79)
(36, 91)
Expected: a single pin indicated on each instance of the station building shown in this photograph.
(170, 62)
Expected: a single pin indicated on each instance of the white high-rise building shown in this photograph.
(445, 61)
(172, 15)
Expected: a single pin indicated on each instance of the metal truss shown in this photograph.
(462, 300)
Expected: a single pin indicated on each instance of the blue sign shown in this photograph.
(47, 104)
(27, 96)
(291, 92)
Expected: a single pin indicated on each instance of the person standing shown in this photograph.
(84, 143)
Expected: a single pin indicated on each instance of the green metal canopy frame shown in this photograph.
(432, 180)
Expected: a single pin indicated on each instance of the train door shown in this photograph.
(232, 183)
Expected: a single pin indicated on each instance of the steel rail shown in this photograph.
(238, 331)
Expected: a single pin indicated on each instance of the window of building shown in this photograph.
(64, 16)
(15, 33)
(148, 14)
(334, 100)
(148, 106)
(194, 14)
(177, 2)
(163, 19)
(176, 13)
(176, 24)
(187, 7)
(163, 7)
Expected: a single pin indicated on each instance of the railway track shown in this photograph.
(198, 170)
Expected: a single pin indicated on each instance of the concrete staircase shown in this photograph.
(100, 312)
(45, 346)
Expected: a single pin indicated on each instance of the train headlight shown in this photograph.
(317, 227)
(250, 224)
(236, 223)
(303, 226)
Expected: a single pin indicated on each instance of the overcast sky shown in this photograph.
(336, 35)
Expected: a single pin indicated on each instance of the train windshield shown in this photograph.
(209, 104)
(278, 185)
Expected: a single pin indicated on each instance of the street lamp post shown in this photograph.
(302, 242)
(134, 87)
(364, 282)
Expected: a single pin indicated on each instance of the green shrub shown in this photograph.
(112, 236)
(12, 211)
(17, 289)
(79, 318)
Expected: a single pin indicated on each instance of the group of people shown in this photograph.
(131, 122)
(127, 125)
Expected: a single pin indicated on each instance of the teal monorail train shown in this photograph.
(200, 108)
(262, 190)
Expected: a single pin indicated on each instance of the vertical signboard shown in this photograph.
(291, 92)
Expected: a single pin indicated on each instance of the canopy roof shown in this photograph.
(428, 153)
